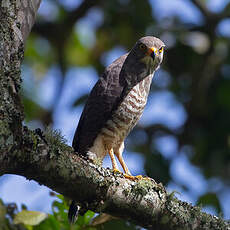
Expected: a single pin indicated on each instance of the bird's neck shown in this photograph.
(146, 83)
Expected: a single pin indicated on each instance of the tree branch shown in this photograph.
(210, 16)
(46, 159)
(49, 161)
(51, 30)
(202, 7)
(226, 12)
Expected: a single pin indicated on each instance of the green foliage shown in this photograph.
(29, 217)
(77, 53)
(6, 217)
(57, 220)
(3, 221)
(40, 58)
(157, 167)
(34, 220)
(32, 109)
(80, 100)
(210, 199)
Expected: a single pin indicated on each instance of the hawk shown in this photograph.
(116, 103)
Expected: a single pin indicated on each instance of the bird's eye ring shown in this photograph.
(161, 49)
(142, 47)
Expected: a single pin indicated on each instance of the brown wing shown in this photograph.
(103, 99)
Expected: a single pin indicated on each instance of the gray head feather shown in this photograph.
(144, 59)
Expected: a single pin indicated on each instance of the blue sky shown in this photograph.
(166, 110)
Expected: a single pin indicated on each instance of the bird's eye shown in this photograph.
(142, 47)
(161, 49)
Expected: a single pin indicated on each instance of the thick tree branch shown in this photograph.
(46, 159)
(49, 161)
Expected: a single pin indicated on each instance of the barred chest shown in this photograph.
(128, 113)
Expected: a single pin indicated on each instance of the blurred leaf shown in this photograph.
(4, 221)
(223, 94)
(77, 54)
(59, 211)
(88, 217)
(51, 223)
(2, 210)
(81, 100)
(32, 110)
(29, 217)
(157, 167)
(210, 199)
(2, 215)
(38, 54)
(84, 221)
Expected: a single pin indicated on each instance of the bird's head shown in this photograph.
(149, 50)
(144, 58)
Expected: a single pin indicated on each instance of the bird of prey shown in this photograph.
(116, 103)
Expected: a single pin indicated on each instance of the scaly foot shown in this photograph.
(133, 177)
(138, 177)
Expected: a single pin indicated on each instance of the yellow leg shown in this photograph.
(124, 166)
(122, 162)
(118, 153)
(114, 163)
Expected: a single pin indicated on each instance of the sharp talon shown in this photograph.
(132, 177)
(129, 177)
(139, 177)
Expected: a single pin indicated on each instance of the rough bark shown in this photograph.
(45, 158)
